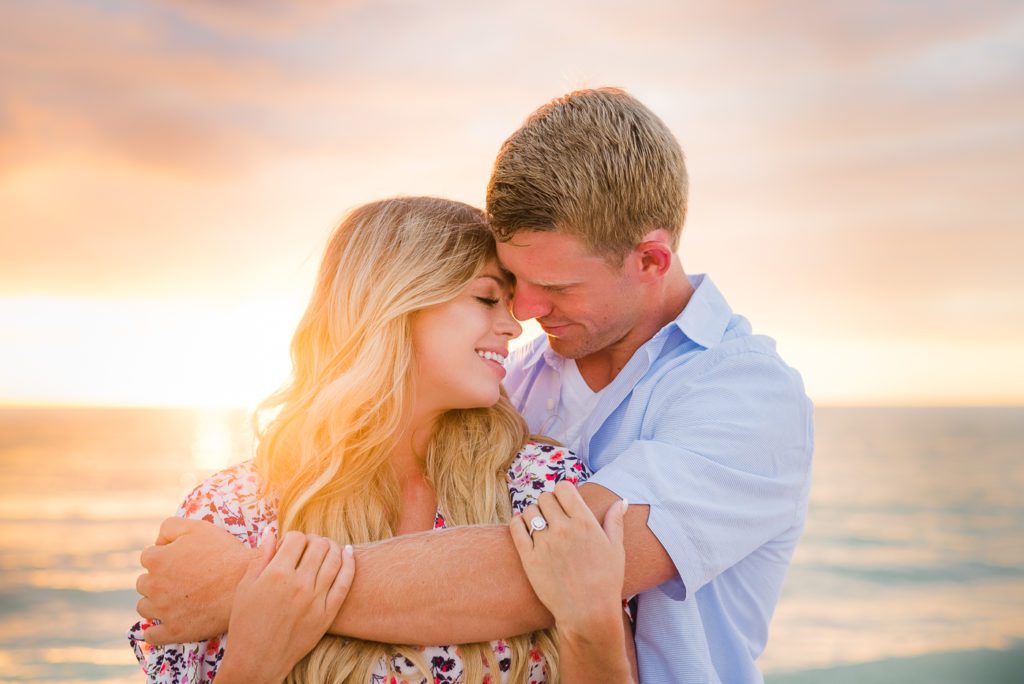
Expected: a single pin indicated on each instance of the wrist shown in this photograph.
(594, 648)
(592, 625)
(246, 671)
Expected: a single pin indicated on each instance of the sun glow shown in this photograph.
(149, 353)
(210, 354)
(158, 353)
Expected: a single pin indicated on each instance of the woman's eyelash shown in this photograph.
(488, 301)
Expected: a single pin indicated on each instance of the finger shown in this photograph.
(342, 581)
(521, 537)
(268, 541)
(551, 510)
(571, 501)
(150, 556)
(158, 635)
(290, 548)
(264, 554)
(172, 528)
(328, 570)
(143, 584)
(144, 607)
(532, 511)
(613, 522)
(312, 558)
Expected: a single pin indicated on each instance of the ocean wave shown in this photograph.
(983, 666)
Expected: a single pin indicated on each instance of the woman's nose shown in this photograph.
(506, 324)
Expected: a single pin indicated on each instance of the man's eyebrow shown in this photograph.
(553, 286)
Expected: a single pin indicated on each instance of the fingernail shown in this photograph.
(265, 535)
(625, 505)
(348, 550)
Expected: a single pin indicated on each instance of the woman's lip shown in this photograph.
(495, 366)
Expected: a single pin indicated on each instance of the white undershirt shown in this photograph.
(575, 404)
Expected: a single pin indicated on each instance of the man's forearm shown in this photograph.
(466, 584)
(453, 586)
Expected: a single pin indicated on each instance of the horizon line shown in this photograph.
(114, 406)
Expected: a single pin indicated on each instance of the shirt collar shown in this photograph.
(535, 350)
(706, 316)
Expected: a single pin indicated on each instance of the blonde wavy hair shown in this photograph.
(325, 451)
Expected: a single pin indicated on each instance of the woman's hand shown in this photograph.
(284, 605)
(576, 568)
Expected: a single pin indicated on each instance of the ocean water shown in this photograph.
(911, 568)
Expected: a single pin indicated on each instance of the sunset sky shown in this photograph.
(169, 173)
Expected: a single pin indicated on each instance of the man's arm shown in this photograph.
(467, 584)
(453, 586)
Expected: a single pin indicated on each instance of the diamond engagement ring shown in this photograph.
(538, 524)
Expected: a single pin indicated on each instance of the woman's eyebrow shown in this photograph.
(501, 281)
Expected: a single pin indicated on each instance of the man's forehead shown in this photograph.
(521, 239)
(543, 278)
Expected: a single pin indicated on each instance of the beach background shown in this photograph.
(911, 569)
(170, 171)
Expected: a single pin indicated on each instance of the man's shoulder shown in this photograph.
(744, 366)
(738, 343)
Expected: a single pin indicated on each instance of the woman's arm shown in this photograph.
(283, 606)
(576, 569)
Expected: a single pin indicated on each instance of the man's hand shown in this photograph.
(194, 569)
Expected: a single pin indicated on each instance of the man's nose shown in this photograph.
(529, 302)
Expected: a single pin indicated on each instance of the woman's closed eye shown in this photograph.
(488, 301)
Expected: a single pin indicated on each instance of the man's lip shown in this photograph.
(554, 329)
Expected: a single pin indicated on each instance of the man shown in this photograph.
(644, 371)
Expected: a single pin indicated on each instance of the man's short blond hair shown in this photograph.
(595, 164)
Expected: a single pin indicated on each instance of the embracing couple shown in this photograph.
(416, 483)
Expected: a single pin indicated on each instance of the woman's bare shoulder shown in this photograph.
(538, 467)
(232, 499)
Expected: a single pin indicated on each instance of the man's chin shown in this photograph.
(566, 348)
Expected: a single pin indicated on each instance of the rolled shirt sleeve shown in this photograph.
(723, 462)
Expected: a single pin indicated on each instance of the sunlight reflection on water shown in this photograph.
(213, 446)
(83, 491)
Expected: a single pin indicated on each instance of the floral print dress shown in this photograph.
(230, 499)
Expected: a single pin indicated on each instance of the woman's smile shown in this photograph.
(495, 360)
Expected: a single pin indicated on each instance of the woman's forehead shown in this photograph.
(492, 271)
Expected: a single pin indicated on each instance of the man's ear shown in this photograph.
(653, 255)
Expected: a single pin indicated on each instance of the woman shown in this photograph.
(394, 422)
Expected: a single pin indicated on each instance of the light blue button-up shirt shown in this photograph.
(709, 427)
